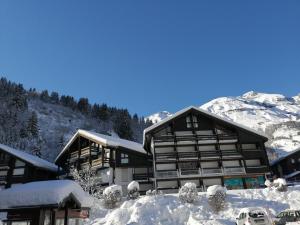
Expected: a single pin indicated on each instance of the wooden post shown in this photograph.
(66, 216)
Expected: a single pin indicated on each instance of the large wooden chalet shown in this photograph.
(196, 146)
(288, 166)
(115, 160)
(17, 167)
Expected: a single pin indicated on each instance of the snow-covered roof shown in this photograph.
(204, 112)
(292, 174)
(44, 193)
(104, 140)
(31, 159)
(284, 157)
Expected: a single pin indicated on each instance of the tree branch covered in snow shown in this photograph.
(88, 180)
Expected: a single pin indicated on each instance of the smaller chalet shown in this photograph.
(288, 166)
(115, 160)
(59, 202)
(18, 167)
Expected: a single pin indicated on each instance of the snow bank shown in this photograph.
(169, 210)
(53, 192)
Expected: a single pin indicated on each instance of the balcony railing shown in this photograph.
(189, 172)
(234, 170)
(257, 169)
(97, 163)
(188, 154)
(211, 171)
(142, 176)
(85, 153)
(166, 174)
(192, 138)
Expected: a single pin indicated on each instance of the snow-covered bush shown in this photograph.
(112, 195)
(153, 192)
(88, 180)
(280, 185)
(133, 190)
(268, 183)
(188, 193)
(216, 195)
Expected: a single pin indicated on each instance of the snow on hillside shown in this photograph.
(57, 122)
(169, 210)
(275, 115)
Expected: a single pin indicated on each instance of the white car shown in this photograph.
(253, 216)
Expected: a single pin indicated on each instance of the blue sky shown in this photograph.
(149, 56)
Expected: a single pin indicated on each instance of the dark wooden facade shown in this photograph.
(17, 170)
(123, 164)
(195, 146)
(288, 167)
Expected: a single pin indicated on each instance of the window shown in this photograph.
(124, 158)
(19, 163)
(3, 173)
(292, 161)
(188, 122)
(18, 171)
(191, 121)
(20, 222)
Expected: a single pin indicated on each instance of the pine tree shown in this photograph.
(32, 126)
(122, 125)
(83, 105)
(45, 96)
(54, 97)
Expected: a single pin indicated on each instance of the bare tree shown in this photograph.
(88, 180)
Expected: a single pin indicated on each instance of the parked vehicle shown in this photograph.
(253, 216)
(287, 216)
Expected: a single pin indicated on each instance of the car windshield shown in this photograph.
(256, 214)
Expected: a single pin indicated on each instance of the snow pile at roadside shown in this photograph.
(169, 210)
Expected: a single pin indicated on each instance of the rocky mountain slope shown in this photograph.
(275, 115)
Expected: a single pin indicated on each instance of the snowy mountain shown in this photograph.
(274, 114)
(157, 117)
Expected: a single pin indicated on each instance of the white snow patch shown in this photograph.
(52, 192)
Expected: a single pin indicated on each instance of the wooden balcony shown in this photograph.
(74, 156)
(97, 163)
(184, 155)
(257, 169)
(85, 165)
(85, 152)
(189, 172)
(234, 170)
(192, 139)
(211, 171)
(142, 176)
(167, 174)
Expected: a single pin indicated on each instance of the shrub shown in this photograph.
(188, 193)
(133, 190)
(280, 185)
(112, 195)
(216, 195)
(268, 184)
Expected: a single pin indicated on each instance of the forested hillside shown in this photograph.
(41, 122)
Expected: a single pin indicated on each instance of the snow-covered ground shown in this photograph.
(169, 210)
(273, 114)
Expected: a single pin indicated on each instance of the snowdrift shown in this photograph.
(169, 210)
